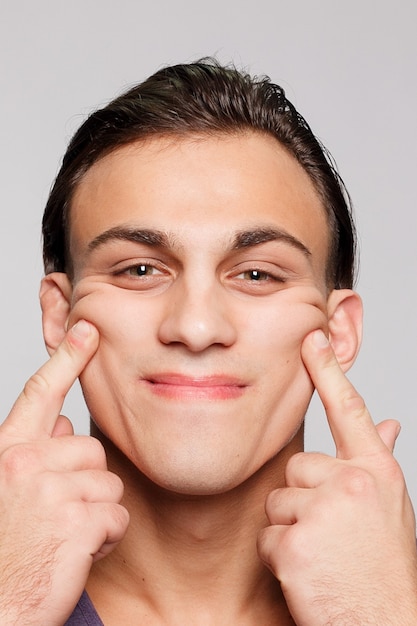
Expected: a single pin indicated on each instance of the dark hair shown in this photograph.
(201, 98)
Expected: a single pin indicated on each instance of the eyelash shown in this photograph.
(253, 279)
(145, 266)
(132, 269)
(258, 275)
(261, 276)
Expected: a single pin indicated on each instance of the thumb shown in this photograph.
(389, 430)
(63, 427)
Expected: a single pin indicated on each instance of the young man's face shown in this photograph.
(202, 264)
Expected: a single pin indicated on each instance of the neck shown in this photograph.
(186, 555)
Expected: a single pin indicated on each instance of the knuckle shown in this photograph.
(93, 450)
(266, 546)
(357, 482)
(19, 460)
(37, 386)
(97, 449)
(353, 403)
(120, 516)
(38, 389)
(396, 474)
(293, 545)
(392, 473)
(282, 551)
(117, 486)
(106, 486)
(46, 488)
(293, 464)
(73, 517)
(272, 501)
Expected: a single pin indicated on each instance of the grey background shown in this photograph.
(350, 67)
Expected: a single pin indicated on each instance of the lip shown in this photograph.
(179, 386)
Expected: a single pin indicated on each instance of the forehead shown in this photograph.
(197, 188)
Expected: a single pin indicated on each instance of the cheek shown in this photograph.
(279, 328)
(277, 344)
(124, 327)
(286, 387)
(116, 313)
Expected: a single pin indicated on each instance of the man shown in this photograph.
(199, 256)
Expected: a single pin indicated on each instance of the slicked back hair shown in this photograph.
(205, 99)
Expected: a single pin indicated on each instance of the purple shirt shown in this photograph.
(84, 614)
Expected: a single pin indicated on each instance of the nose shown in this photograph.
(197, 316)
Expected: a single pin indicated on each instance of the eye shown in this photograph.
(255, 275)
(142, 276)
(258, 281)
(142, 269)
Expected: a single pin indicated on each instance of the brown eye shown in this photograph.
(256, 275)
(257, 281)
(141, 270)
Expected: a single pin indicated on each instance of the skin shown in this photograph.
(194, 345)
(198, 312)
(60, 506)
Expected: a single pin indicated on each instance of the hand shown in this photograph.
(59, 506)
(342, 539)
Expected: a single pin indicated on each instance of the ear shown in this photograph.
(344, 308)
(55, 298)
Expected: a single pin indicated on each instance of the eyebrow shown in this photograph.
(248, 238)
(156, 238)
(136, 235)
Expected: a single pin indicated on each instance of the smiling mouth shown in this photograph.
(177, 386)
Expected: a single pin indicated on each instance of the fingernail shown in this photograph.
(81, 329)
(319, 339)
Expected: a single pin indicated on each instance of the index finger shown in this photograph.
(352, 428)
(36, 410)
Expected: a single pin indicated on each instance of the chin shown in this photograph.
(184, 489)
(198, 486)
(192, 479)
(214, 476)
